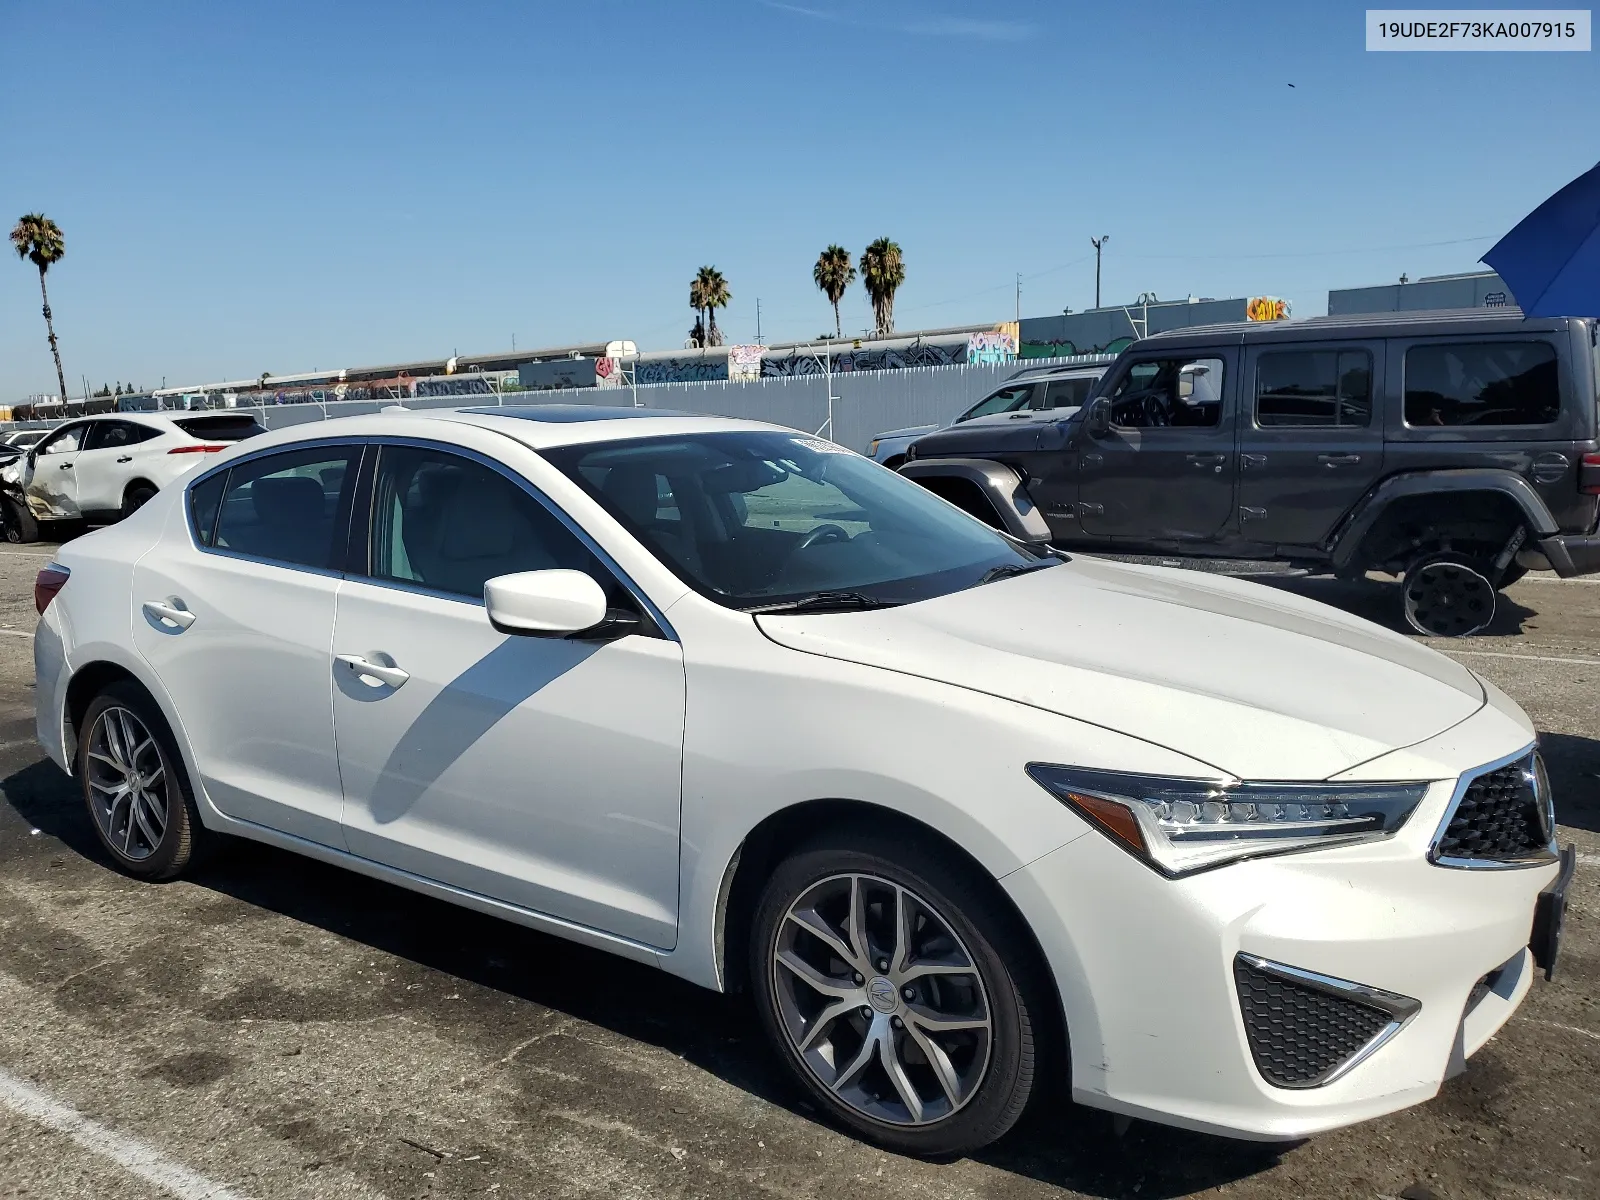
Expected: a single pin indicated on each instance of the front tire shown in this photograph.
(135, 787)
(898, 992)
(20, 525)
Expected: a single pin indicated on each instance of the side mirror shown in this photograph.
(1098, 421)
(544, 603)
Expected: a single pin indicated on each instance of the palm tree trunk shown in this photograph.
(50, 327)
(838, 329)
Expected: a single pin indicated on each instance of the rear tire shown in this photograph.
(135, 787)
(20, 525)
(1447, 595)
(917, 1061)
(136, 497)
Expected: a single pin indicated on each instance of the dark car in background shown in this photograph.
(1455, 449)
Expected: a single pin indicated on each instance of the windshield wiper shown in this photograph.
(825, 602)
(1010, 569)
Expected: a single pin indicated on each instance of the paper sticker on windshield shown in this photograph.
(820, 446)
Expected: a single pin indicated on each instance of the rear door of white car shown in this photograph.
(107, 464)
(235, 615)
(541, 771)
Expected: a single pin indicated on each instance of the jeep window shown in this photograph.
(1482, 383)
(1068, 393)
(1160, 392)
(1314, 387)
(1007, 399)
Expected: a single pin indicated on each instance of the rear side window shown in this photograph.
(288, 508)
(205, 498)
(1482, 383)
(1314, 387)
(1007, 399)
(221, 428)
(1068, 393)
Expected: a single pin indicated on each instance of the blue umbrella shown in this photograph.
(1551, 260)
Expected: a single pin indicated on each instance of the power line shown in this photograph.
(1313, 253)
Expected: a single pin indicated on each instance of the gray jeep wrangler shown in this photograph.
(1455, 449)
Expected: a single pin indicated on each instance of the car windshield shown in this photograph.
(759, 520)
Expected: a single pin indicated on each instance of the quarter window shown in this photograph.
(1314, 388)
(205, 498)
(444, 522)
(1162, 392)
(1482, 383)
(288, 508)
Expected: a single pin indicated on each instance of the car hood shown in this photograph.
(1257, 682)
(908, 431)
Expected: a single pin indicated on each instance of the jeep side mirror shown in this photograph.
(1098, 421)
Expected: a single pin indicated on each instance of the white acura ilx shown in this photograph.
(736, 702)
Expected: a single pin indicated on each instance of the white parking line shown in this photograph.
(1589, 860)
(1569, 1029)
(136, 1157)
(1577, 662)
(27, 633)
(23, 554)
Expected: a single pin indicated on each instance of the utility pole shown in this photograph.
(1097, 242)
(1019, 295)
(759, 342)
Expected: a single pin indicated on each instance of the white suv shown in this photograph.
(103, 468)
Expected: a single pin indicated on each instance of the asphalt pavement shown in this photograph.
(274, 1028)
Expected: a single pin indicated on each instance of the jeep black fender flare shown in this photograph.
(1367, 512)
(999, 484)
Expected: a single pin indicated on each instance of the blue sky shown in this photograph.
(252, 187)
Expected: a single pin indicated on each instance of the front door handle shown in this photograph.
(1338, 460)
(66, 466)
(176, 618)
(1093, 458)
(374, 674)
(125, 458)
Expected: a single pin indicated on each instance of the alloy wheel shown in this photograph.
(1447, 598)
(882, 1000)
(127, 783)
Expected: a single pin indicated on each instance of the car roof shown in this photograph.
(1421, 323)
(537, 426)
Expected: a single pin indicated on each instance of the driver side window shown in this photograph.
(63, 441)
(1007, 399)
(1177, 392)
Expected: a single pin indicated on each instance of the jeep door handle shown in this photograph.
(367, 671)
(1338, 460)
(170, 615)
(1214, 461)
(1252, 460)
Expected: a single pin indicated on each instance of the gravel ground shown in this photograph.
(276, 1028)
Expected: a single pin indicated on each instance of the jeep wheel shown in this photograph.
(1447, 595)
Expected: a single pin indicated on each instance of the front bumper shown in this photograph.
(1146, 966)
(1572, 554)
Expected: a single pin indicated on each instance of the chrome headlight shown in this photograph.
(1179, 826)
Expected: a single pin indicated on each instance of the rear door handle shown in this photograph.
(66, 466)
(171, 615)
(1338, 460)
(125, 458)
(374, 674)
(1252, 460)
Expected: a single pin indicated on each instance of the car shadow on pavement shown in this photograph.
(1574, 767)
(1058, 1143)
(1378, 601)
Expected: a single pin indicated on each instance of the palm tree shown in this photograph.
(697, 301)
(38, 239)
(712, 290)
(833, 273)
(883, 270)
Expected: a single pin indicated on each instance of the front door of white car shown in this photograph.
(235, 616)
(541, 771)
(108, 463)
(49, 479)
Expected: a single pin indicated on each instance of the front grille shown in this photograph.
(1300, 1034)
(1499, 816)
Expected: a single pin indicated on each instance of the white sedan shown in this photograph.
(730, 700)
